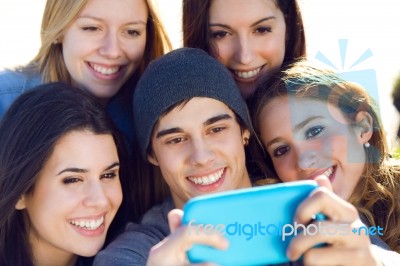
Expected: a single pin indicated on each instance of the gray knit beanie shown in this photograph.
(177, 76)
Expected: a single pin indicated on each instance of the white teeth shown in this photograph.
(328, 172)
(247, 74)
(88, 224)
(207, 180)
(105, 70)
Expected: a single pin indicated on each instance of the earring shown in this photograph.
(367, 145)
(246, 142)
(55, 42)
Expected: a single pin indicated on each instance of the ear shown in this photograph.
(21, 203)
(287, 35)
(364, 122)
(246, 137)
(152, 159)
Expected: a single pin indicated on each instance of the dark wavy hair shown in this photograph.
(28, 133)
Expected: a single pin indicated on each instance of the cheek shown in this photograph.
(115, 194)
(347, 149)
(172, 162)
(72, 50)
(274, 51)
(221, 51)
(285, 169)
(73, 56)
(281, 170)
(136, 51)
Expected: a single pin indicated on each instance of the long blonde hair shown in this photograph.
(377, 193)
(58, 15)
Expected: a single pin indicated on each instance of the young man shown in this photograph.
(192, 122)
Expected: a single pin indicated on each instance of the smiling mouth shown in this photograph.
(104, 70)
(89, 224)
(247, 74)
(208, 179)
(328, 173)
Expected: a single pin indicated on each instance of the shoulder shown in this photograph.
(158, 215)
(13, 84)
(132, 247)
(380, 249)
(17, 81)
(387, 257)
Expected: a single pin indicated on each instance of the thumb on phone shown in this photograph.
(175, 219)
(323, 181)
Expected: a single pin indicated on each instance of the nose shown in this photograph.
(244, 51)
(201, 153)
(95, 195)
(307, 159)
(110, 46)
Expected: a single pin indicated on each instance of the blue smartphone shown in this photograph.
(257, 221)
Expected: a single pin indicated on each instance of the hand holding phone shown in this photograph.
(258, 222)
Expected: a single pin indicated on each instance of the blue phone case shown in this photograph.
(252, 220)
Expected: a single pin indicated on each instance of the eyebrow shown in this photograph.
(100, 19)
(296, 128)
(208, 122)
(216, 119)
(254, 24)
(80, 170)
(305, 122)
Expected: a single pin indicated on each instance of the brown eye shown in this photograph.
(263, 29)
(219, 34)
(281, 151)
(109, 175)
(70, 180)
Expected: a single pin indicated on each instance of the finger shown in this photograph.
(208, 237)
(175, 219)
(172, 250)
(333, 234)
(323, 201)
(314, 235)
(339, 256)
(323, 181)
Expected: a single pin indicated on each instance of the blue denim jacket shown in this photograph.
(12, 85)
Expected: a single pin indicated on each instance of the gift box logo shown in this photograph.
(365, 77)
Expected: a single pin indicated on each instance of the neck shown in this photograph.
(45, 257)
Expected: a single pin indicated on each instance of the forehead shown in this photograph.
(297, 109)
(82, 147)
(124, 10)
(193, 113)
(237, 10)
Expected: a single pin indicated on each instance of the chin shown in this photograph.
(246, 90)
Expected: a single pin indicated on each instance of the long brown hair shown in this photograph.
(197, 35)
(377, 193)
